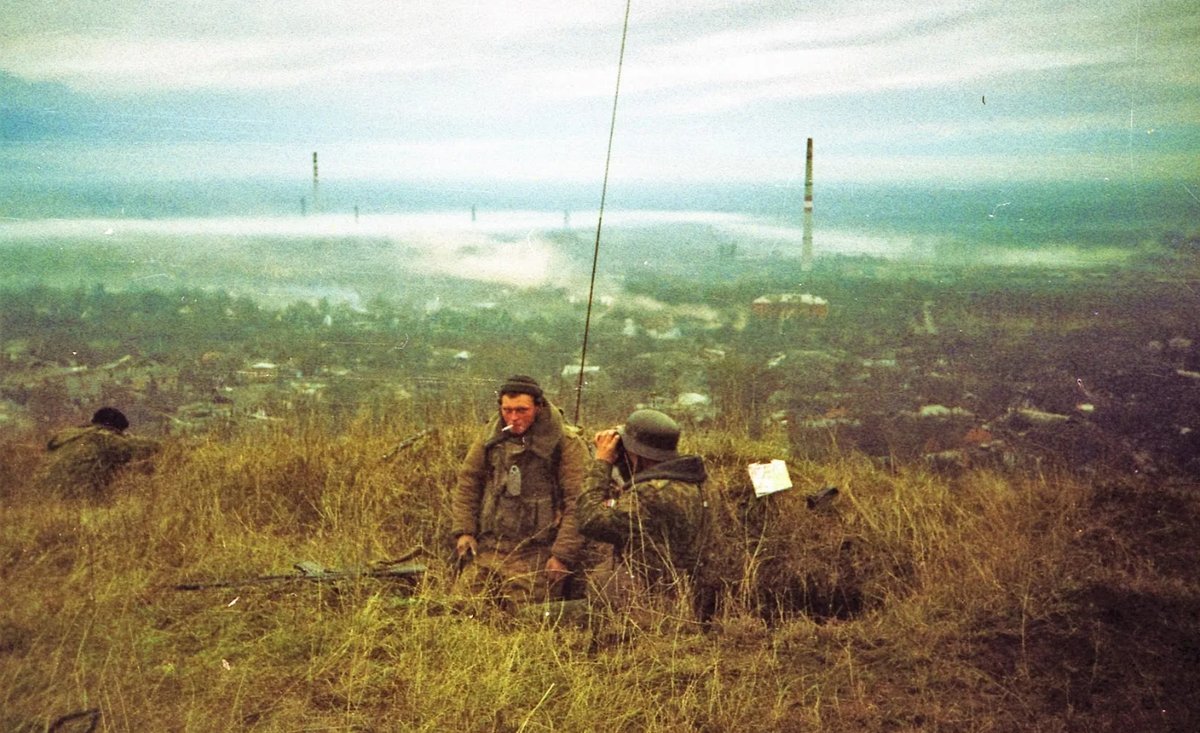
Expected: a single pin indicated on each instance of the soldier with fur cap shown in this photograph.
(513, 507)
(82, 461)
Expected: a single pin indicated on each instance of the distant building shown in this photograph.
(694, 407)
(571, 371)
(263, 371)
(790, 305)
(593, 379)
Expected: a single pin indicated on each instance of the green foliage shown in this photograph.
(909, 601)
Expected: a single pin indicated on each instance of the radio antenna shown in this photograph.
(612, 125)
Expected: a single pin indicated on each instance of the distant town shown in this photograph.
(894, 359)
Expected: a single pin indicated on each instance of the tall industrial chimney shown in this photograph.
(806, 253)
(315, 201)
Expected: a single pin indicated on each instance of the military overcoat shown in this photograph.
(517, 492)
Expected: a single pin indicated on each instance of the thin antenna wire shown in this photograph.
(612, 126)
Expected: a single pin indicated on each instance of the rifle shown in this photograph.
(820, 498)
(313, 571)
(406, 443)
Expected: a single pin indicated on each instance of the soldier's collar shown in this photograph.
(542, 436)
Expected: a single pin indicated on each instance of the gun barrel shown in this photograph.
(407, 442)
(823, 496)
(311, 571)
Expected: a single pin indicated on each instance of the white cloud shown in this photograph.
(455, 89)
(845, 47)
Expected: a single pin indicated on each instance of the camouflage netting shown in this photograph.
(83, 461)
(786, 553)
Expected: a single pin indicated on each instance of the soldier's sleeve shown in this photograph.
(572, 464)
(113, 449)
(468, 491)
(602, 518)
(141, 448)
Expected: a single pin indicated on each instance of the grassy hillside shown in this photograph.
(987, 601)
(1012, 546)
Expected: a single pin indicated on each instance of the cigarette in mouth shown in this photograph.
(506, 428)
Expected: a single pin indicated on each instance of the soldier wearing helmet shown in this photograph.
(654, 516)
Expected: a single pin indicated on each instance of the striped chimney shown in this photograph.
(808, 204)
(314, 193)
(806, 252)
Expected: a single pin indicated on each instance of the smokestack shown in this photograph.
(806, 253)
(315, 200)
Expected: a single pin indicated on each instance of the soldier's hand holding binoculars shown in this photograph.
(465, 546)
(608, 445)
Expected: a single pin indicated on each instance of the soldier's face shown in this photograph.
(518, 411)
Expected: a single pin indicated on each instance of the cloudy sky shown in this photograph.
(711, 90)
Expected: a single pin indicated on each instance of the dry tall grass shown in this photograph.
(910, 602)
